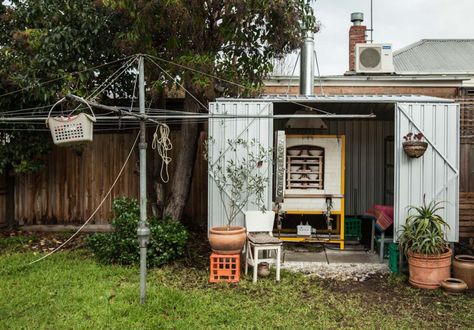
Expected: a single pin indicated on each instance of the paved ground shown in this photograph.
(354, 263)
(333, 256)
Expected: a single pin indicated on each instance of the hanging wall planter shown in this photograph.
(413, 146)
(71, 129)
(415, 149)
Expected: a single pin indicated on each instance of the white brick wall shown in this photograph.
(332, 175)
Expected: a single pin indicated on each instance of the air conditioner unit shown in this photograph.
(374, 58)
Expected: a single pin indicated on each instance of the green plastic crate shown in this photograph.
(394, 253)
(388, 241)
(352, 228)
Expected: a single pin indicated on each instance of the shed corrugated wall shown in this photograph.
(435, 175)
(220, 131)
(365, 161)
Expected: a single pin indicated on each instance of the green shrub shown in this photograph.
(167, 240)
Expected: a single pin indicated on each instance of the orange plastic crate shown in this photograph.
(225, 268)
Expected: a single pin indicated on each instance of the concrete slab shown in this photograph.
(334, 256)
(355, 264)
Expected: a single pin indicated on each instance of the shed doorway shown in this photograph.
(368, 177)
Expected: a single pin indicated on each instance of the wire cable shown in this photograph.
(176, 81)
(63, 76)
(230, 82)
(98, 207)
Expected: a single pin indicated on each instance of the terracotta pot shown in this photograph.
(227, 240)
(427, 271)
(415, 149)
(453, 285)
(263, 269)
(463, 268)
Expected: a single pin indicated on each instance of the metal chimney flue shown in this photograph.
(307, 64)
(357, 18)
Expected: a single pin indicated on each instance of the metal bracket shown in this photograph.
(143, 236)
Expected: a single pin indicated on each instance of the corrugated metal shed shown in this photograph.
(220, 131)
(365, 161)
(435, 176)
(375, 98)
(447, 56)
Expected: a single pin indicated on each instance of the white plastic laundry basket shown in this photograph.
(71, 129)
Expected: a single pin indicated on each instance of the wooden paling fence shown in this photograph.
(466, 215)
(466, 196)
(73, 182)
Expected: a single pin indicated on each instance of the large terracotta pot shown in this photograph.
(463, 268)
(427, 271)
(227, 240)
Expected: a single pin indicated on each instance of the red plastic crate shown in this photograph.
(225, 268)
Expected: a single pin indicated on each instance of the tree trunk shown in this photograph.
(157, 190)
(184, 162)
(10, 198)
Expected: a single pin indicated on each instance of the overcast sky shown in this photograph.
(400, 22)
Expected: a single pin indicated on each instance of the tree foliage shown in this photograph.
(55, 41)
(46, 50)
(232, 39)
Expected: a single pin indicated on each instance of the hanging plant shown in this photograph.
(414, 146)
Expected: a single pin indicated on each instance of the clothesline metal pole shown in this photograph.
(143, 230)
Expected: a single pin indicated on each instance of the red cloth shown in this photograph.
(383, 215)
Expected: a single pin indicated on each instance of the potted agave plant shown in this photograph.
(423, 240)
(241, 180)
(414, 146)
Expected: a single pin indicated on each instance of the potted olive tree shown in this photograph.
(423, 239)
(240, 174)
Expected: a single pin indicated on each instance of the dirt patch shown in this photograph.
(39, 241)
(389, 292)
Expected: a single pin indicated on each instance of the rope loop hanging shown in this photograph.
(163, 145)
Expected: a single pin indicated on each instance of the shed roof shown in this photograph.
(437, 56)
(375, 98)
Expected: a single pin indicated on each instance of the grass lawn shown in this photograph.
(70, 290)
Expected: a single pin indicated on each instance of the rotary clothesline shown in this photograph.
(126, 67)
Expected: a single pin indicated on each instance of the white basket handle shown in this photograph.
(61, 100)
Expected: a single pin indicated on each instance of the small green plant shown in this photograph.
(168, 238)
(241, 178)
(424, 230)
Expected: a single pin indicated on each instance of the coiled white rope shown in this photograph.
(163, 144)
